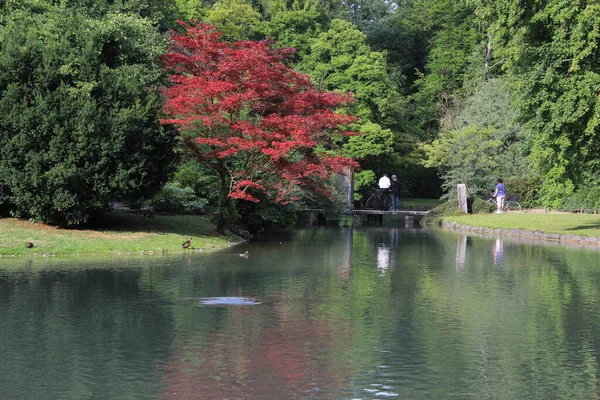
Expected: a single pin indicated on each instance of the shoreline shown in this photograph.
(122, 254)
(537, 237)
(120, 233)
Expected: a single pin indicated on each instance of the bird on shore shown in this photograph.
(29, 245)
(244, 254)
(187, 243)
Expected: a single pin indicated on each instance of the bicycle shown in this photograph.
(375, 201)
(511, 202)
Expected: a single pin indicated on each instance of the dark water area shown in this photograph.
(332, 313)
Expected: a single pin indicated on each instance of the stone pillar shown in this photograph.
(462, 197)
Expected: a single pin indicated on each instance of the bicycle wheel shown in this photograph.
(372, 202)
(513, 205)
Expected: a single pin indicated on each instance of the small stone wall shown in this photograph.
(521, 233)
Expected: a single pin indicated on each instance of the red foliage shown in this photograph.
(260, 124)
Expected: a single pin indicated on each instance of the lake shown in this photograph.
(324, 313)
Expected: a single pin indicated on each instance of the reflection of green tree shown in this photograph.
(482, 330)
(521, 324)
(524, 329)
(82, 334)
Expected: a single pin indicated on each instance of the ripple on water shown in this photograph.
(228, 301)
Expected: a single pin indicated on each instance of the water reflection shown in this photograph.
(498, 251)
(383, 258)
(344, 269)
(461, 252)
(328, 326)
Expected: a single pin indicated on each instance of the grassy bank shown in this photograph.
(561, 223)
(419, 204)
(119, 232)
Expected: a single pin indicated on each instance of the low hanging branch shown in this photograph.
(260, 125)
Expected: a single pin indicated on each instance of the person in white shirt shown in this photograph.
(384, 186)
(384, 182)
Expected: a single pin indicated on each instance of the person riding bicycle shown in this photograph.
(500, 194)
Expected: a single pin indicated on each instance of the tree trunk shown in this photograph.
(488, 57)
(224, 200)
(221, 222)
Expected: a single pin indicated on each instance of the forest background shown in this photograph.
(447, 92)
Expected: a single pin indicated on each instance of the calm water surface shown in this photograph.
(330, 314)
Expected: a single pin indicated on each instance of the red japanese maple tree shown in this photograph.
(260, 125)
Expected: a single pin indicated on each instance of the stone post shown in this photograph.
(462, 197)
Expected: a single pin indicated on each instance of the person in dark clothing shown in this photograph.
(395, 191)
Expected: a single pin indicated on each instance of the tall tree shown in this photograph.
(261, 126)
(295, 28)
(363, 13)
(480, 142)
(452, 48)
(235, 19)
(340, 59)
(79, 113)
(551, 51)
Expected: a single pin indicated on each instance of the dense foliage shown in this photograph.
(79, 113)
(261, 127)
(552, 60)
(465, 91)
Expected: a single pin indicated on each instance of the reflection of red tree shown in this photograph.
(284, 359)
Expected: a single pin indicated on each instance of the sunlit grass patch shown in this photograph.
(561, 223)
(119, 232)
(419, 204)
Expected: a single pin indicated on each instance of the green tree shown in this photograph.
(295, 28)
(363, 13)
(551, 53)
(79, 113)
(492, 106)
(189, 9)
(405, 42)
(340, 59)
(441, 84)
(235, 19)
(467, 155)
(499, 150)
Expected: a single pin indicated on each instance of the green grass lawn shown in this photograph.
(119, 232)
(562, 223)
(419, 204)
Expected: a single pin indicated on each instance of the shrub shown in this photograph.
(178, 200)
(481, 206)
(527, 188)
(435, 216)
(201, 179)
(79, 114)
(585, 198)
